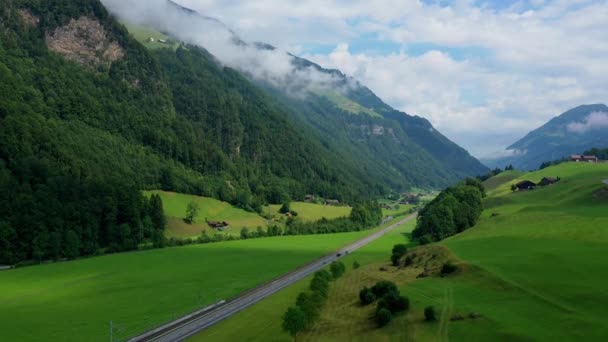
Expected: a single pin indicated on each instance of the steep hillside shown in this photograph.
(387, 148)
(573, 132)
(88, 117)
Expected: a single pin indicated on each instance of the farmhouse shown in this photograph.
(590, 159)
(332, 202)
(218, 224)
(525, 185)
(548, 181)
(580, 158)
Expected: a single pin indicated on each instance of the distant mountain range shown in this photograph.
(573, 132)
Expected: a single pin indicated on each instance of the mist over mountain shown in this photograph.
(572, 132)
(347, 117)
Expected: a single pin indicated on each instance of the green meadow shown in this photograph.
(75, 301)
(311, 211)
(537, 259)
(262, 321)
(502, 178)
(143, 35)
(533, 269)
(175, 206)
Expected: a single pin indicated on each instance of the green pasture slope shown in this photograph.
(75, 301)
(262, 322)
(502, 178)
(537, 270)
(175, 205)
(143, 34)
(311, 211)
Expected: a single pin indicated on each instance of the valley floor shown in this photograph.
(534, 268)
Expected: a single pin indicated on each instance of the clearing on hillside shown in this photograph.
(210, 209)
(310, 211)
(502, 178)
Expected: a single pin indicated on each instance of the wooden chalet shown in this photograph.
(309, 198)
(525, 185)
(218, 224)
(586, 159)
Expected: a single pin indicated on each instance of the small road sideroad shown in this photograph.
(191, 324)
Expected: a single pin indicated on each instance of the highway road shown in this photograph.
(190, 325)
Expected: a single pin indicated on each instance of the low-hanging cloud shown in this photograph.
(509, 153)
(594, 121)
(270, 65)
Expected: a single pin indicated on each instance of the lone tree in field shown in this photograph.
(285, 208)
(294, 321)
(191, 212)
(337, 269)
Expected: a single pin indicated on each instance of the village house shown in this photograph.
(332, 202)
(548, 181)
(219, 225)
(580, 158)
(525, 185)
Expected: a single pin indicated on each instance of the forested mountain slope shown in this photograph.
(88, 117)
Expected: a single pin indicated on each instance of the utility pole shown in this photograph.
(111, 331)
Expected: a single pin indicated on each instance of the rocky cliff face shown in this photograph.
(84, 41)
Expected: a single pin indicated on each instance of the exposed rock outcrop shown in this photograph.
(86, 42)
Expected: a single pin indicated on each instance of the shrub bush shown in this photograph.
(429, 314)
(383, 317)
(366, 296)
(448, 268)
(383, 287)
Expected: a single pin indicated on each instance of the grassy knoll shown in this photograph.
(311, 211)
(74, 301)
(211, 209)
(262, 322)
(502, 178)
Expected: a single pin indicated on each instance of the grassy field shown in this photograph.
(534, 268)
(311, 211)
(75, 301)
(346, 104)
(502, 178)
(143, 34)
(538, 269)
(211, 209)
(262, 322)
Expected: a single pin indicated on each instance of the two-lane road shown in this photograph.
(190, 325)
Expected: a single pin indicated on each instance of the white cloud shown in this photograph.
(594, 121)
(273, 66)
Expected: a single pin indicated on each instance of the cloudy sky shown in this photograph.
(483, 72)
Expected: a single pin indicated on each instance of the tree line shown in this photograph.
(455, 209)
(364, 215)
(309, 304)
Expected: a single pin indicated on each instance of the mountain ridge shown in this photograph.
(572, 132)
